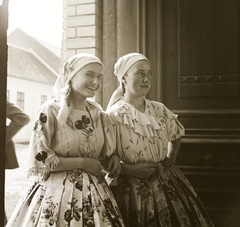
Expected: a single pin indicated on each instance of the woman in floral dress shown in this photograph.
(65, 149)
(151, 191)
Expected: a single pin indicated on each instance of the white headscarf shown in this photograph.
(120, 68)
(62, 85)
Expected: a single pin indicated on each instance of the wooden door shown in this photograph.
(194, 46)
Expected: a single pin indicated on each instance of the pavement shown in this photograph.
(16, 181)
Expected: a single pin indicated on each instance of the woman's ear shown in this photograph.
(124, 80)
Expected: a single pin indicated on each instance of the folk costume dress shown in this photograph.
(166, 198)
(68, 198)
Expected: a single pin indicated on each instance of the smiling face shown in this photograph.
(87, 81)
(138, 79)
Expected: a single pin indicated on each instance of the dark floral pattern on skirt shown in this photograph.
(165, 199)
(70, 199)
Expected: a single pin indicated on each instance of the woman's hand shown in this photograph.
(139, 170)
(92, 166)
(114, 166)
(169, 162)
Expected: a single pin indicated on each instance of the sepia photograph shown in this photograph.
(120, 113)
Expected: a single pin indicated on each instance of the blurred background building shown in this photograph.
(33, 67)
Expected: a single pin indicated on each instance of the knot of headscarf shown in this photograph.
(62, 85)
(120, 68)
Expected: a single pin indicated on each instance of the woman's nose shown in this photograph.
(145, 79)
(94, 80)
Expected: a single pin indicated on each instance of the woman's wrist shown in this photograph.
(126, 169)
(70, 163)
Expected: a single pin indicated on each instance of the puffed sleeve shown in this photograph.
(42, 159)
(110, 136)
(174, 128)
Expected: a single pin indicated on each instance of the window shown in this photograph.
(43, 99)
(20, 100)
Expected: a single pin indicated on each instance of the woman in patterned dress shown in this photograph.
(65, 152)
(151, 191)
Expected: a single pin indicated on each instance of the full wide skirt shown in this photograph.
(67, 199)
(166, 199)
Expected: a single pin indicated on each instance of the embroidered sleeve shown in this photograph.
(174, 127)
(110, 136)
(42, 159)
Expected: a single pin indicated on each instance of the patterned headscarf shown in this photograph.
(62, 85)
(120, 68)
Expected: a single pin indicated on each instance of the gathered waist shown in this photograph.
(162, 167)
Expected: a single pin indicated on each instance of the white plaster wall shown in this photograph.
(32, 95)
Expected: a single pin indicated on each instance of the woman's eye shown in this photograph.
(140, 73)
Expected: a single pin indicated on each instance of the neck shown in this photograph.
(78, 103)
(137, 102)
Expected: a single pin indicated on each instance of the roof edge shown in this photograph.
(35, 55)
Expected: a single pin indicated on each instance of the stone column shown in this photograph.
(123, 32)
(109, 49)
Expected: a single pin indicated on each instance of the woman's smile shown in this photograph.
(93, 88)
(145, 86)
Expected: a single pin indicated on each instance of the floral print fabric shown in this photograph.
(165, 199)
(68, 198)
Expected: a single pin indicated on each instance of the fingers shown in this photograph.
(98, 170)
(114, 167)
(112, 174)
(115, 171)
(169, 162)
(152, 165)
(114, 160)
(110, 164)
(151, 171)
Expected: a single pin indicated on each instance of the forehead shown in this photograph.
(141, 65)
(94, 67)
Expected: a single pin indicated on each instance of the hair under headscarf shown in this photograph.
(120, 68)
(62, 85)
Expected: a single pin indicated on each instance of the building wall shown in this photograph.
(82, 27)
(32, 101)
